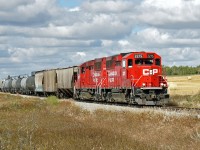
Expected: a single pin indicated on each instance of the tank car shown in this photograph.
(23, 85)
(7, 84)
(133, 78)
(1, 85)
(30, 85)
(18, 84)
(14, 85)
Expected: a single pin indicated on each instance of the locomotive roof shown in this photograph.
(122, 54)
(141, 52)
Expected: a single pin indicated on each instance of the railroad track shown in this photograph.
(170, 108)
(175, 108)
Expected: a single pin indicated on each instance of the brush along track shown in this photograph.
(167, 108)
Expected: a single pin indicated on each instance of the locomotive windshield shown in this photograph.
(144, 61)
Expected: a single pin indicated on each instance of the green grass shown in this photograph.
(52, 100)
(46, 124)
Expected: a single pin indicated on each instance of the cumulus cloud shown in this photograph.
(37, 34)
(108, 6)
(74, 9)
(170, 14)
(29, 13)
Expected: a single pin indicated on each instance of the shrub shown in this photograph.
(52, 100)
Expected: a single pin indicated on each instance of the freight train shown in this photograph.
(132, 78)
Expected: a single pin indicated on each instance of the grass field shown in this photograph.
(184, 85)
(49, 124)
(185, 90)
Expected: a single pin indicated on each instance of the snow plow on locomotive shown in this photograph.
(133, 78)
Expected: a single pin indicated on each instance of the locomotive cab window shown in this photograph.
(144, 61)
(83, 70)
(148, 61)
(138, 61)
(157, 62)
(130, 63)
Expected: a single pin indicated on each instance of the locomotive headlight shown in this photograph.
(143, 84)
(161, 84)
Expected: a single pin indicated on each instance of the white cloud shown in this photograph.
(74, 9)
(4, 5)
(124, 42)
(22, 55)
(173, 14)
(107, 43)
(108, 6)
(82, 54)
(153, 35)
(41, 34)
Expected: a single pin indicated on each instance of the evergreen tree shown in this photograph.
(181, 70)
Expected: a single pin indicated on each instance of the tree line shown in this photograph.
(181, 70)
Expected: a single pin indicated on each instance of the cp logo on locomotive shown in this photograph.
(147, 72)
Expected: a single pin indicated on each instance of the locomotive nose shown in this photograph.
(150, 76)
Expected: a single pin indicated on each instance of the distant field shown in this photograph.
(184, 90)
(27, 123)
(184, 85)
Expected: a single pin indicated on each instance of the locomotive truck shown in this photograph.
(133, 78)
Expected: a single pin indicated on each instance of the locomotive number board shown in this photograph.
(150, 55)
(138, 56)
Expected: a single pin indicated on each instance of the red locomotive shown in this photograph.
(134, 78)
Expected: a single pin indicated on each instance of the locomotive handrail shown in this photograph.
(138, 80)
(143, 75)
(163, 78)
(100, 83)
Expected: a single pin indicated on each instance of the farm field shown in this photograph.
(184, 85)
(185, 90)
(31, 123)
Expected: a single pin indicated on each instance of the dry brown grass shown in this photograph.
(185, 90)
(191, 101)
(184, 85)
(38, 124)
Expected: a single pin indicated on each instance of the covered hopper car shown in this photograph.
(59, 82)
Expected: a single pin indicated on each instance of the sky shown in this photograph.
(45, 34)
